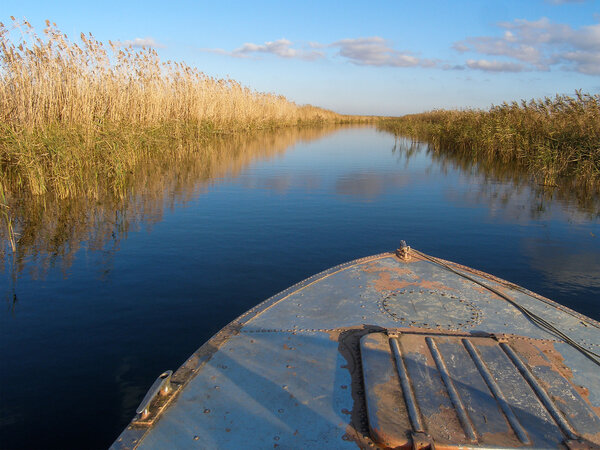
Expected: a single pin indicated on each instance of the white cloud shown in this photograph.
(521, 45)
(453, 67)
(364, 51)
(540, 45)
(586, 62)
(281, 47)
(500, 47)
(139, 43)
(376, 51)
(494, 66)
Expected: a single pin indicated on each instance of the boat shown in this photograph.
(395, 350)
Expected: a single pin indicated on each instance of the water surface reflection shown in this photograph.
(504, 185)
(113, 288)
(50, 231)
(368, 186)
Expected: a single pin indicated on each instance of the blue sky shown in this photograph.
(378, 57)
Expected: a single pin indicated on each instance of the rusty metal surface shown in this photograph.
(470, 391)
(388, 413)
(314, 317)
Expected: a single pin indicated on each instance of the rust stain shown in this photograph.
(585, 394)
(484, 342)
(581, 445)
(445, 427)
(433, 331)
(391, 425)
(371, 267)
(547, 356)
(390, 280)
(542, 353)
(434, 285)
(386, 283)
(503, 439)
(375, 267)
(348, 340)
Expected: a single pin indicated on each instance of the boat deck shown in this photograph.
(346, 358)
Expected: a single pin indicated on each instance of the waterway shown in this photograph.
(106, 292)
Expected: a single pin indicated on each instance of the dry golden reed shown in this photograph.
(56, 81)
(552, 138)
(73, 115)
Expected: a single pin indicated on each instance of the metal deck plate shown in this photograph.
(456, 391)
(289, 372)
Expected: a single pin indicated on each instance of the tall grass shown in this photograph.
(55, 81)
(552, 138)
(71, 111)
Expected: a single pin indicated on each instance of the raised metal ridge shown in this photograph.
(471, 391)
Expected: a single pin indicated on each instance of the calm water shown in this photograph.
(105, 294)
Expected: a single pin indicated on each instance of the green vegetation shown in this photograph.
(551, 138)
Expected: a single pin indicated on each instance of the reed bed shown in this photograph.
(551, 138)
(73, 115)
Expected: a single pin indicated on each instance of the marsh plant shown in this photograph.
(552, 138)
(74, 115)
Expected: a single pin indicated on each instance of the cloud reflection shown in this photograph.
(283, 183)
(562, 267)
(367, 186)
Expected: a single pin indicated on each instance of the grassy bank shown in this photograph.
(73, 115)
(552, 138)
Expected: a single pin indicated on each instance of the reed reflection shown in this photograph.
(49, 231)
(505, 187)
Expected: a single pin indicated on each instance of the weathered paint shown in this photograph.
(288, 373)
(466, 391)
(389, 418)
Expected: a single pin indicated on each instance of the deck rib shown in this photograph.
(473, 391)
(491, 383)
(452, 392)
(407, 390)
(539, 391)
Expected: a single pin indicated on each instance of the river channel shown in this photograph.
(105, 293)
